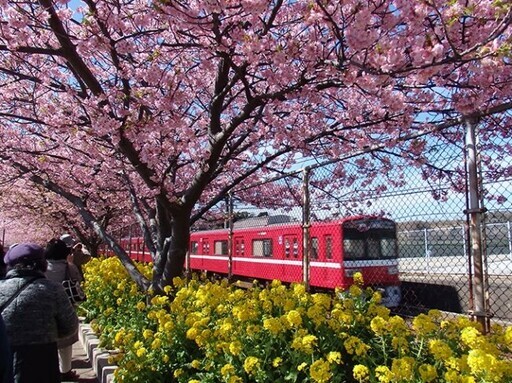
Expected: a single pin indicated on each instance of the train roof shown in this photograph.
(280, 221)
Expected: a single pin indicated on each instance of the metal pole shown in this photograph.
(230, 235)
(474, 212)
(130, 241)
(305, 228)
(427, 251)
(464, 249)
(509, 234)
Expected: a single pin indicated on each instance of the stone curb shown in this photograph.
(97, 356)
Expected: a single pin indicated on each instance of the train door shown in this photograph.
(238, 251)
(291, 267)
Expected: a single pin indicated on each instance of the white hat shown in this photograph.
(67, 239)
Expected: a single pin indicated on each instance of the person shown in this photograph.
(36, 312)
(60, 267)
(5, 355)
(80, 255)
(3, 267)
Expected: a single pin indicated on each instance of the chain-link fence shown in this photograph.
(453, 225)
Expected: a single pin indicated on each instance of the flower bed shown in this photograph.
(216, 332)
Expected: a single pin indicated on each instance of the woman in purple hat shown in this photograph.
(36, 312)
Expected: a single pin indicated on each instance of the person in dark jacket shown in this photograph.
(5, 355)
(60, 267)
(3, 267)
(36, 312)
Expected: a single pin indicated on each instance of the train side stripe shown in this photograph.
(330, 265)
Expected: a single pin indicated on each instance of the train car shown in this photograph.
(267, 248)
(338, 249)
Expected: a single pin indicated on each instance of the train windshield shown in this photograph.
(369, 239)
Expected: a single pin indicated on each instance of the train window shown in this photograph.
(206, 247)
(221, 247)
(194, 247)
(353, 248)
(295, 248)
(376, 248)
(262, 248)
(389, 247)
(328, 247)
(287, 248)
(314, 248)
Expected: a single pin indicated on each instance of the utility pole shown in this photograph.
(306, 224)
(474, 213)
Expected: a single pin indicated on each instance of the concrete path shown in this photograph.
(82, 365)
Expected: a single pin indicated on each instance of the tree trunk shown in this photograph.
(174, 251)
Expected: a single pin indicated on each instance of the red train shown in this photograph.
(270, 247)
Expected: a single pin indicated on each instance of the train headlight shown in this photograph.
(393, 270)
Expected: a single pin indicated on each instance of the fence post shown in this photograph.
(306, 223)
(230, 234)
(474, 212)
(509, 238)
(427, 249)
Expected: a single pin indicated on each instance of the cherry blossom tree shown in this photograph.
(163, 107)
(29, 212)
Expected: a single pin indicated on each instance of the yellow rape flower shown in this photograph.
(235, 347)
(400, 344)
(156, 344)
(480, 362)
(192, 333)
(227, 369)
(354, 345)
(141, 352)
(403, 368)
(358, 278)
(378, 326)
(272, 325)
(427, 372)
(320, 371)
(322, 300)
(439, 349)
(251, 364)
(355, 291)
(299, 289)
(277, 362)
(471, 337)
(384, 374)
(334, 357)
(147, 334)
(361, 373)
(423, 324)
(294, 318)
(397, 325)
(508, 337)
